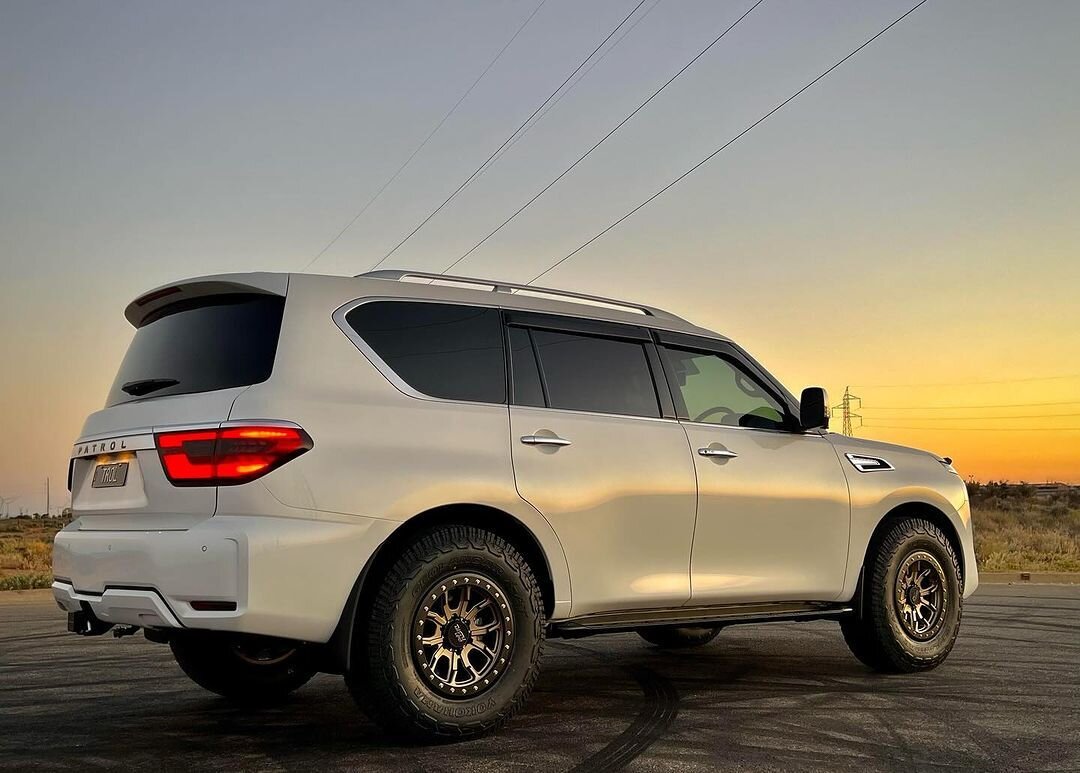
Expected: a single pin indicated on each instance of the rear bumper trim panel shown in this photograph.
(143, 607)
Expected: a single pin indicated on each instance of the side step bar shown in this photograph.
(727, 614)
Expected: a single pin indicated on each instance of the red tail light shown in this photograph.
(229, 455)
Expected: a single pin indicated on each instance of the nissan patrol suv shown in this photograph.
(412, 480)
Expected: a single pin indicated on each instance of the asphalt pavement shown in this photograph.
(781, 696)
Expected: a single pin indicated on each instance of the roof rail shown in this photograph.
(510, 287)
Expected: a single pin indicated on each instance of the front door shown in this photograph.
(773, 509)
(593, 452)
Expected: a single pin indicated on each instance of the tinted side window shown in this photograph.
(716, 390)
(525, 375)
(604, 375)
(440, 349)
(200, 345)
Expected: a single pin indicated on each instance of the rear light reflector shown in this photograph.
(227, 456)
(214, 606)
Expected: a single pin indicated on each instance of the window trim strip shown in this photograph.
(537, 320)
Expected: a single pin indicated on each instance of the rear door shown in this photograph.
(597, 452)
(194, 351)
(773, 511)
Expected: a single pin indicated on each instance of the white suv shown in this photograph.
(412, 480)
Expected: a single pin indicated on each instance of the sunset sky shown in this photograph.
(910, 226)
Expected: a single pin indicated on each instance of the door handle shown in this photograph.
(544, 440)
(720, 452)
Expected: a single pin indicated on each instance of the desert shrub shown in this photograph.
(36, 557)
(26, 581)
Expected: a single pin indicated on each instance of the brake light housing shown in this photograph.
(228, 455)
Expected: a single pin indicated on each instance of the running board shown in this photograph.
(727, 614)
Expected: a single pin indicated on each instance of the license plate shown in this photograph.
(110, 475)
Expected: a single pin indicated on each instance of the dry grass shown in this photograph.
(26, 552)
(1032, 539)
(1015, 530)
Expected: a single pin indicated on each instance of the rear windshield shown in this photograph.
(200, 345)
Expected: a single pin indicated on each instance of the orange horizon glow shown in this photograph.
(1017, 431)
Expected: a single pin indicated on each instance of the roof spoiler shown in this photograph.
(223, 284)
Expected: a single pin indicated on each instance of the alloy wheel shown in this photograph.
(461, 638)
(921, 597)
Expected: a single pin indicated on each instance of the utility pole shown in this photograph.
(48, 494)
(846, 406)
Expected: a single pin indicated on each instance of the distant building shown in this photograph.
(1047, 490)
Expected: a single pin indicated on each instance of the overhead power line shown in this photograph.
(426, 139)
(971, 383)
(601, 141)
(964, 407)
(581, 76)
(480, 168)
(727, 144)
(979, 418)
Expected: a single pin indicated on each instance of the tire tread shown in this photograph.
(378, 687)
(871, 638)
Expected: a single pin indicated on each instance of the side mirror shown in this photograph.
(814, 408)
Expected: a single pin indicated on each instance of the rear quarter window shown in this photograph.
(441, 350)
(203, 344)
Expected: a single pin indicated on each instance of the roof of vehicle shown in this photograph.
(339, 290)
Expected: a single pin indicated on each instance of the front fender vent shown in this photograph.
(864, 463)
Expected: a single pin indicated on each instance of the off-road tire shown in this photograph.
(213, 662)
(875, 634)
(674, 637)
(385, 679)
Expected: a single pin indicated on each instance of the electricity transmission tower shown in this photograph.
(846, 407)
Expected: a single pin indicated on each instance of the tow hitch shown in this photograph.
(85, 623)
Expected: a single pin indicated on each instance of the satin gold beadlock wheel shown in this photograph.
(450, 641)
(463, 632)
(911, 599)
(920, 595)
(264, 653)
(251, 670)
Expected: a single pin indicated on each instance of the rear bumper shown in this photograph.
(287, 577)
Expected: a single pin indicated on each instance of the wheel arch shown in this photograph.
(338, 650)
(912, 509)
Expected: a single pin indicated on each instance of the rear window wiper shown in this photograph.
(144, 386)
